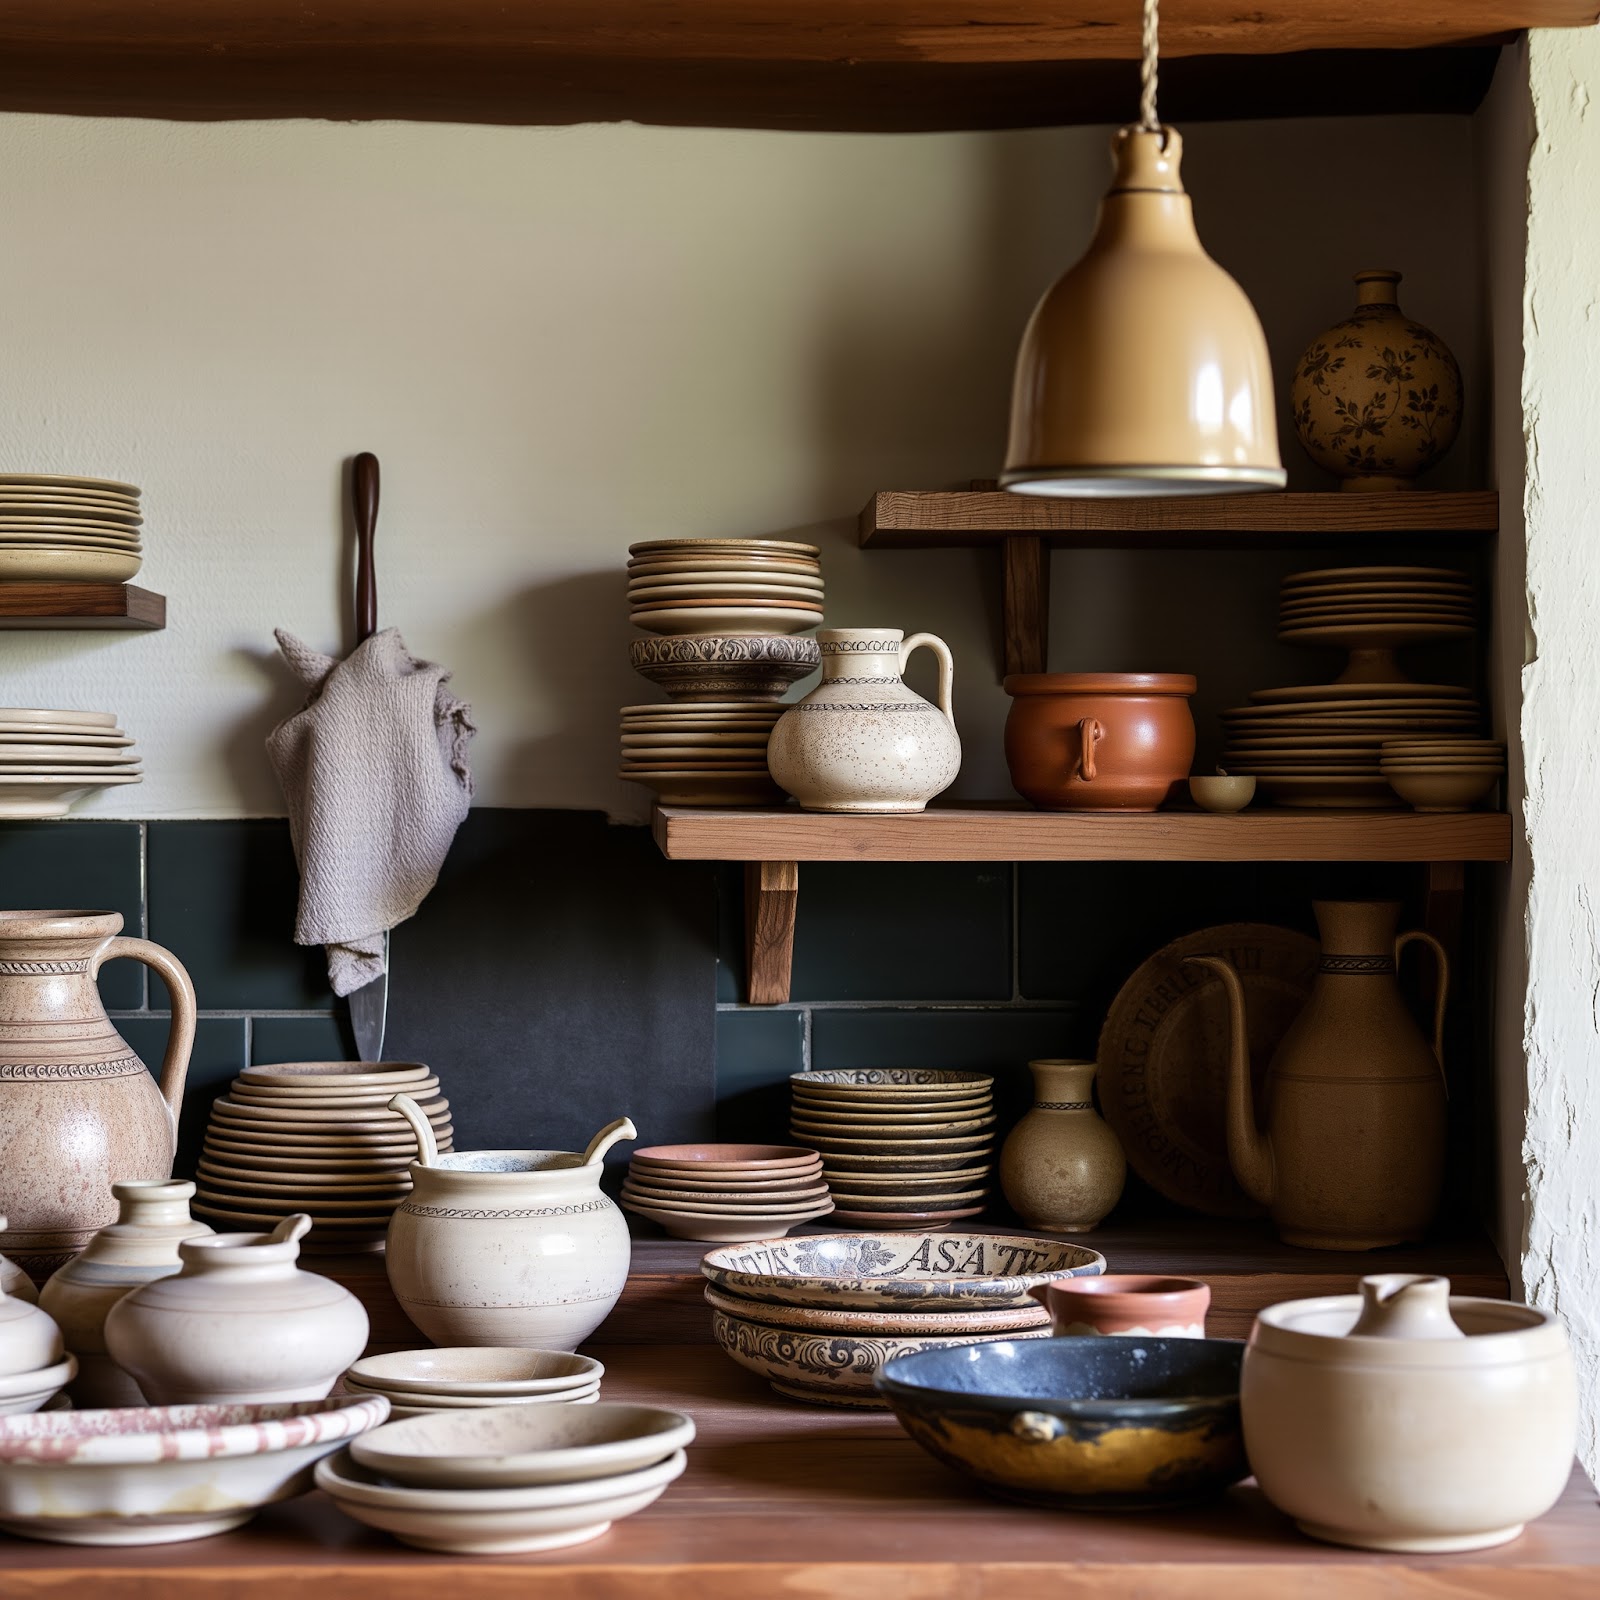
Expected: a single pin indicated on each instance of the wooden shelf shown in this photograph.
(782, 1498)
(1007, 832)
(846, 64)
(938, 520)
(121, 606)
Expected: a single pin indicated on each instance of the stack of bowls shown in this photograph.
(721, 587)
(475, 1378)
(719, 1192)
(1443, 774)
(68, 530)
(316, 1137)
(901, 1147)
(712, 754)
(817, 1317)
(50, 758)
(508, 1479)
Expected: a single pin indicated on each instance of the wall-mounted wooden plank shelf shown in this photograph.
(113, 606)
(862, 64)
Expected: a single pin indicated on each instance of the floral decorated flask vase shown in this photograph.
(78, 1110)
(1377, 398)
(1062, 1169)
(861, 741)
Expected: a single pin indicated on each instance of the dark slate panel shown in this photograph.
(217, 1059)
(275, 1039)
(85, 866)
(730, 931)
(561, 974)
(916, 930)
(223, 896)
(756, 1053)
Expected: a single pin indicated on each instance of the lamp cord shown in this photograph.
(1149, 49)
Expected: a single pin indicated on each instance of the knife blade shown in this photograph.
(369, 1012)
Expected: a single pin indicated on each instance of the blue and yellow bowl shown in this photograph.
(1102, 1424)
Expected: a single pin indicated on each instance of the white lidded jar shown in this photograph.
(861, 741)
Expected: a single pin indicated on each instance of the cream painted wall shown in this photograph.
(561, 340)
(1560, 400)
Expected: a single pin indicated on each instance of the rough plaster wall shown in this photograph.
(1561, 698)
(562, 340)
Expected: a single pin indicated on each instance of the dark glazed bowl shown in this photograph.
(1101, 1424)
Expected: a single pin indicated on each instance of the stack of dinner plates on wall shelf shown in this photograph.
(901, 1147)
(317, 1137)
(49, 759)
(1319, 745)
(725, 615)
(722, 1192)
(68, 530)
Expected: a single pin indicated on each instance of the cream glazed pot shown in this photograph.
(1405, 1418)
(508, 1247)
(861, 741)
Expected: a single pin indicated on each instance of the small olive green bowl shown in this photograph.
(1097, 1424)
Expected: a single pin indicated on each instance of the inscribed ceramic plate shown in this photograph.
(1163, 1056)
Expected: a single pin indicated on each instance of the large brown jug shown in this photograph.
(78, 1110)
(1352, 1156)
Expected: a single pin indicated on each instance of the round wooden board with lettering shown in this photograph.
(1163, 1060)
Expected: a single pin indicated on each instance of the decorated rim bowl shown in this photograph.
(1099, 1424)
(898, 1271)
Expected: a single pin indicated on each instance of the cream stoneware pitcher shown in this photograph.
(861, 741)
(508, 1247)
(1352, 1156)
(1408, 1418)
(78, 1110)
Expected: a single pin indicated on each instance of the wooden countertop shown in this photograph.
(783, 1499)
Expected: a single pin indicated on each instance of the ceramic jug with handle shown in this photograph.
(78, 1110)
(507, 1247)
(861, 741)
(1352, 1154)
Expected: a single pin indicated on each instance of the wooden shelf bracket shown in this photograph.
(771, 897)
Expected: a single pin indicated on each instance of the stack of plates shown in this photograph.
(1318, 745)
(726, 1192)
(711, 753)
(419, 1382)
(68, 530)
(317, 1137)
(724, 586)
(49, 758)
(901, 1147)
(1443, 774)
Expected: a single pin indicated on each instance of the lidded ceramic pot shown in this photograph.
(1127, 1304)
(1099, 741)
(861, 741)
(239, 1323)
(1061, 1168)
(29, 1337)
(508, 1247)
(1405, 1418)
(1377, 398)
(78, 1110)
(139, 1247)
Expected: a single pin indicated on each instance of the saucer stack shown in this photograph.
(68, 530)
(901, 1147)
(49, 759)
(726, 614)
(420, 1382)
(726, 1192)
(317, 1137)
(1443, 774)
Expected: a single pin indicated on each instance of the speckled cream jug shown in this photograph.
(78, 1110)
(861, 741)
(1062, 1169)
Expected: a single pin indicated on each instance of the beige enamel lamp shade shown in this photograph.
(1144, 370)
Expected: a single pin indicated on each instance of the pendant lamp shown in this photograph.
(1144, 370)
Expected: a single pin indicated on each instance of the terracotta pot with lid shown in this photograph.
(1099, 741)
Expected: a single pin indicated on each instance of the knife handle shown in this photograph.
(364, 501)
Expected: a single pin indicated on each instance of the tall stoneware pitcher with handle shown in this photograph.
(1352, 1153)
(78, 1110)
